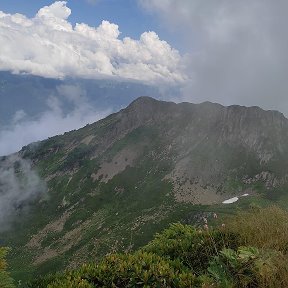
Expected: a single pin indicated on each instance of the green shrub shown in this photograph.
(69, 282)
(45, 281)
(194, 248)
(140, 269)
(246, 267)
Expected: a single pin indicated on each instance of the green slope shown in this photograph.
(113, 184)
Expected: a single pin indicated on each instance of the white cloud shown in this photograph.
(238, 49)
(48, 45)
(24, 130)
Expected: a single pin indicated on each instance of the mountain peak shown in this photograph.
(143, 101)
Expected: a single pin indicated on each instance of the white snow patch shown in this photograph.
(231, 200)
(245, 195)
(234, 199)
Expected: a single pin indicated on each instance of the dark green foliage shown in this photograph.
(140, 269)
(245, 267)
(194, 248)
(43, 282)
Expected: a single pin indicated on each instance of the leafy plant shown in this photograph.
(140, 269)
(194, 248)
(242, 268)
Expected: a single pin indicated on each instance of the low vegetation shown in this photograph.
(263, 228)
(250, 250)
(5, 280)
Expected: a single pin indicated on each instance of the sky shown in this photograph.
(225, 51)
(128, 14)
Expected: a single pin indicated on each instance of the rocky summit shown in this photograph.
(112, 184)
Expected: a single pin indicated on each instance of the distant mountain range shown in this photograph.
(112, 184)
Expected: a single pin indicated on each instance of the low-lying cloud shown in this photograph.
(237, 49)
(55, 120)
(19, 186)
(48, 45)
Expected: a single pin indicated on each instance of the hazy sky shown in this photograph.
(237, 49)
(225, 51)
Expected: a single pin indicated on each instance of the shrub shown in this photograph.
(194, 248)
(246, 267)
(140, 269)
(44, 281)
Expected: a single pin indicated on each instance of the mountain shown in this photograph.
(111, 185)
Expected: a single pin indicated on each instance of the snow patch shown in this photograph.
(234, 199)
(231, 200)
(245, 195)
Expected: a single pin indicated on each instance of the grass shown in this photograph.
(263, 228)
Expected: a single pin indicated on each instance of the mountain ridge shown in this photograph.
(114, 183)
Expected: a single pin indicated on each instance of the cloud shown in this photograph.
(48, 45)
(19, 186)
(237, 49)
(55, 120)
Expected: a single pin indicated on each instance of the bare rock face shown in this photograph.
(208, 143)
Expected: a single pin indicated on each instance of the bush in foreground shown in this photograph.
(246, 267)
(140, 269)
(193, 247)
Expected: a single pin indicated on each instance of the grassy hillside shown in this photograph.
(249, 251)
(112, 185)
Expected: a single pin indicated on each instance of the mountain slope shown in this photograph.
(113, 184)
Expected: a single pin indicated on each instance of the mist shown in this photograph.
(20, 185)
(236, 51)
(67, 109)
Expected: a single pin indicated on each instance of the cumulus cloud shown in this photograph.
(19, 185)
(237, 49)
(55, 120)
(49, 45)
